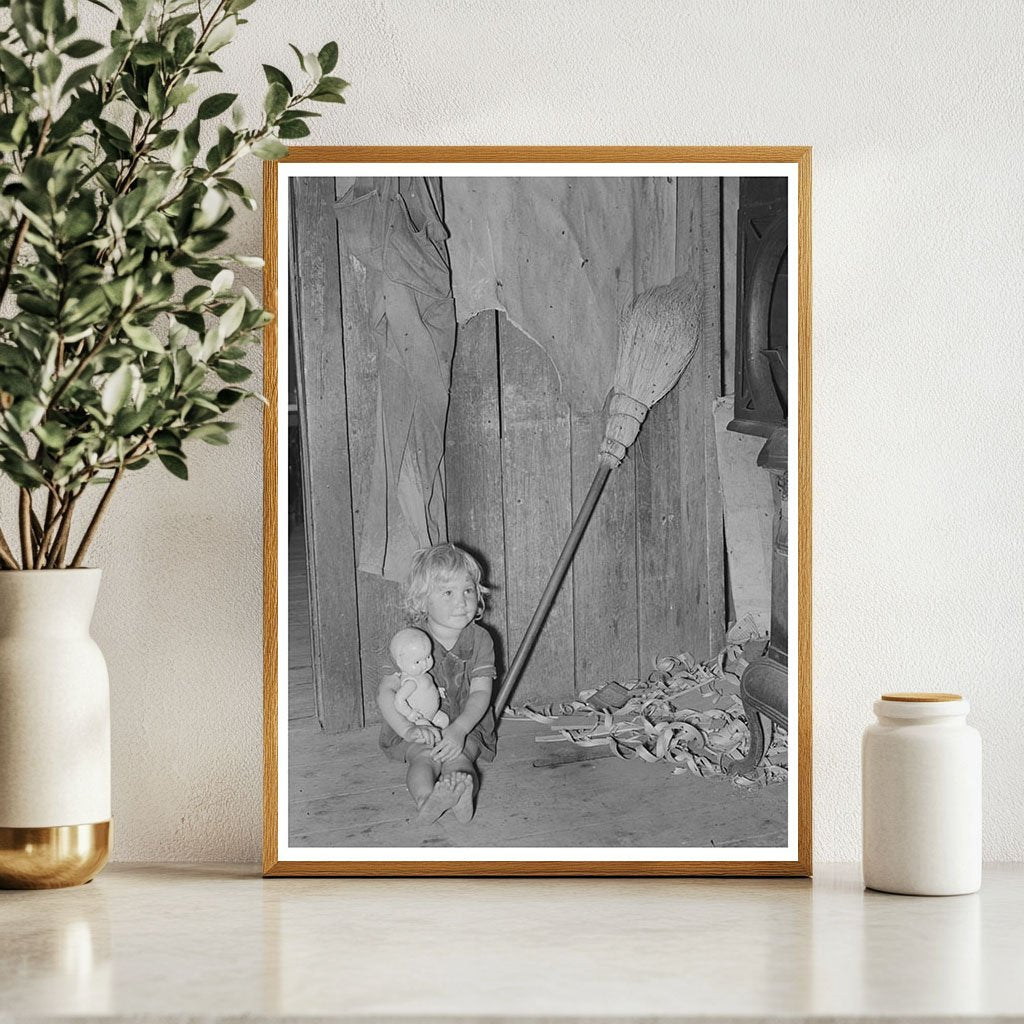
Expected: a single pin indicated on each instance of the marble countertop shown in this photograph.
(181, 941)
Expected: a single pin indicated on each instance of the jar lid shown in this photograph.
(921, 705)
(921, 698)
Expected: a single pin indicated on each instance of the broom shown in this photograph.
(658, 334)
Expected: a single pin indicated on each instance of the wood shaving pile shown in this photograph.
(685, 714)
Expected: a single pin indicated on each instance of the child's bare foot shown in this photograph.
(463, 808)
(440, 799)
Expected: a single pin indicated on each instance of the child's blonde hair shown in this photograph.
(434, 566)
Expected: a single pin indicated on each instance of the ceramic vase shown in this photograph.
(921, 773)
(54, 731)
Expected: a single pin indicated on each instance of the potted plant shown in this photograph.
(122, 340)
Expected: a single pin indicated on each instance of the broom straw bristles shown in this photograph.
(658, 334)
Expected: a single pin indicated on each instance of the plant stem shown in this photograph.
(37, 535)
(61, 543)
(22, 229)
(85, 359)
(51, 510)
(12, 255)
(51, 523)
(6, 555)
(25, 520)
(90, 531)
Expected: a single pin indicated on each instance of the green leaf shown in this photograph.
(16, 70)
(149, 53)
(164, 375)
(144, 338)
(116, 133)
(78, 78)
(274, 76)
(232, 319)
(116, 390)
(193, 379)
(311, 66)
(21, 471)
(276, 99)
(128, 421)
(109, 65)
(222, 282)
(53, 14)
(214, 105)
(184, 44)
(221, 35)
(162, 139)
(227, 397)
(293, 130)
(156, 101)
(211, 433)
(195, 296)
(175, 465)
(232, 373)
(334, 84)
(83, 48)
(49, 68)
(53, 435)
(26, 414)
(328, 58)
(181, 94)
(326, 96)
(133, 12)
(269, 149)
(26, 20)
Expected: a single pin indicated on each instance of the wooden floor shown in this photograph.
(344, 793)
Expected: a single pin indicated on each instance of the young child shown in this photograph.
(444, 596)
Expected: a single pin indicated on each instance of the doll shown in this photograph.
(418, 698)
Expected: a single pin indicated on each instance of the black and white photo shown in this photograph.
(540, 421)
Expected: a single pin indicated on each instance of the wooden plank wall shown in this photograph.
(648, 577)
(327, 491)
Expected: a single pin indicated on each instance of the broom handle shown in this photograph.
(547, 599)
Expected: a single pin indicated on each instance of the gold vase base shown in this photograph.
(53, 857)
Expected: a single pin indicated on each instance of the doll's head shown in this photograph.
(410, 650)
(436, 567)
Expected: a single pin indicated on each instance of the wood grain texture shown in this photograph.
(378, 601)
(711, 264)
(701, 533)
(544, 154)
(803, 503)
(666, 599)
(516, 868)
(604, 570)
(536, 474)
(664, 576)
(271, 555)
(323, 413)
(473, 466)
(538, 869)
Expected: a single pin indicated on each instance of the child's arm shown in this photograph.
(386, 696)
(453, 736)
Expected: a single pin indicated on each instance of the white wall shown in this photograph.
(914, 113)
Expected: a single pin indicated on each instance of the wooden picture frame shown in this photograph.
(697, 174)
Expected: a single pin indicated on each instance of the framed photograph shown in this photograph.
(538, 433)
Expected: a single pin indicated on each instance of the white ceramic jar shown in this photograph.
(921, 778)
